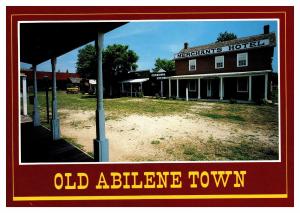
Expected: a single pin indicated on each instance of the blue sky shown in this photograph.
(151, 40)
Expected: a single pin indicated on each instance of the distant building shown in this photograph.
(136, 84)
(237, 69)
(146, 82)
(62, 79)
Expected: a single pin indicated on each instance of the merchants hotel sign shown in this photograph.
(229, 48)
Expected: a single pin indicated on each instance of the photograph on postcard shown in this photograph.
(196, 90)
(150, 106)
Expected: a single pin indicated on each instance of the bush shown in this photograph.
(140, 94)
(155, 142)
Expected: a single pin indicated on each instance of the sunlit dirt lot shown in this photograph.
(143, 129)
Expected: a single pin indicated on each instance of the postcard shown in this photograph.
(150, 106)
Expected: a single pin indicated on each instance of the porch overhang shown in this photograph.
(42, 41)
(216, 75)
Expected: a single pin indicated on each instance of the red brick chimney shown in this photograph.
(266, 29)
(186, 45)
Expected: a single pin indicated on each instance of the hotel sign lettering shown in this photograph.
(159, 76)
(229, 48)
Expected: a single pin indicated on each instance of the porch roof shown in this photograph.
(225, 74)
(132, 81)
(40, 42)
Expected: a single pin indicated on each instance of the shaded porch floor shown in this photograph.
(37, 146)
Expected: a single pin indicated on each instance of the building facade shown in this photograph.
(62, 78)
(238, 69)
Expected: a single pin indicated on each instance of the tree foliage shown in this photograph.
(226, 36)
(165, 64)
(86, 64)
(117, 60)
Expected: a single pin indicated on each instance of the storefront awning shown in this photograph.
(132, 81)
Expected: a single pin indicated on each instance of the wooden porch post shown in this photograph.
(24, 95)
(161, 88)
(250, 88)
(177, 88)
(36, 112)
(101, 149)
(55, 127)
(199, 87)
(170, 88)
(186, 93)
(266, 87)
(221, 88)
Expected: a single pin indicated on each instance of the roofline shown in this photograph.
(222, 44)
(228, 74)
(233, 40)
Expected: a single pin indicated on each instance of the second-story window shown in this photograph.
(219, 62)
(242, 59)
(192, 65)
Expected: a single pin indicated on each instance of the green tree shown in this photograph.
(165, 64)
(118, 59)
(86, 64)
(226, 36)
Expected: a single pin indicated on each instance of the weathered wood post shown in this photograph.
(177, 88)
(55, 127)
(170, 88)
(47, 97)
(161, 88)
(266, 87)
(101, 149)
(221, 88)
(24, 94)
(36, 112)
(250, 88)
(199, 87)
(186, 93)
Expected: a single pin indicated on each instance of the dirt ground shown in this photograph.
(170, 138)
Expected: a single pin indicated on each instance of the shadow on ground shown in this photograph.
(37, 146)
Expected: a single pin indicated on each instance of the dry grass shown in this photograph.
(232, 131)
